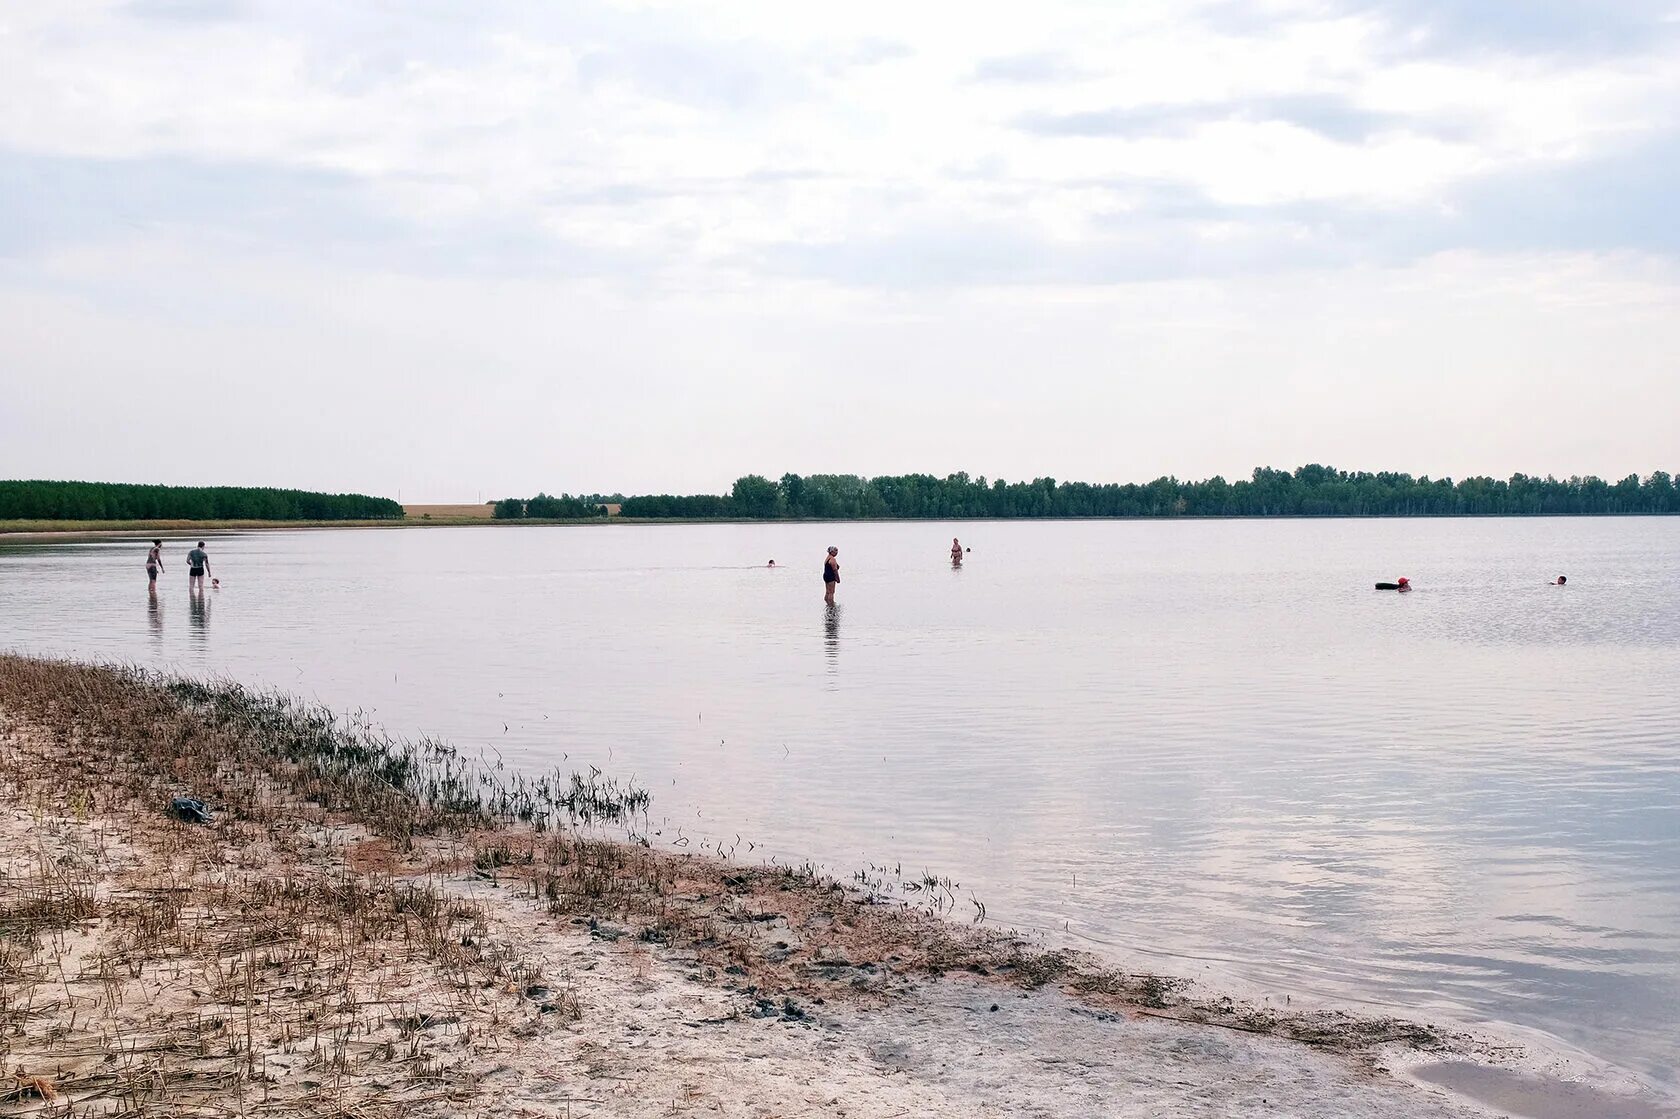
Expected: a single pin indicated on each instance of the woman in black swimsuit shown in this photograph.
(831, 574)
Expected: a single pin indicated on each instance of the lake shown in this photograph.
(1203, 747)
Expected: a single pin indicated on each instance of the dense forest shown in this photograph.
(1310, 491)
(544, 507)
(114, 501)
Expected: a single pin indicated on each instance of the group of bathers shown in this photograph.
(198, 560)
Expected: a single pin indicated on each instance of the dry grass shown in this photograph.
(151, 966)
(455, 512)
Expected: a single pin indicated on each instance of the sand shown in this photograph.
(656, 1041)
(640, 1030)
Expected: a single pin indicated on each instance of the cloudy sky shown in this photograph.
(452, 249)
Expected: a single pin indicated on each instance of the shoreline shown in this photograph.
(372, 925)
(27, 531)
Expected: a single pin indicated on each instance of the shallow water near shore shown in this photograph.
(1204, 747)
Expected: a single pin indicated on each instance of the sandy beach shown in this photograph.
(371, 928)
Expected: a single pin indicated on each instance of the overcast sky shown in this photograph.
(453, 249)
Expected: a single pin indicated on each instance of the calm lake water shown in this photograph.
(1208, 748)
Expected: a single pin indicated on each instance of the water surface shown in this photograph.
(1205, 747)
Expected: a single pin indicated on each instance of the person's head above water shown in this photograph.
(1404, 582)
(1562, 579)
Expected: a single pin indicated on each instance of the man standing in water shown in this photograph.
(154, 563)
(831, 574)
(198, 562)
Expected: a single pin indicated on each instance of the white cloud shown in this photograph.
(490, 114)
(734, 201)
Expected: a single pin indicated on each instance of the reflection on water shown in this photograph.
(831, 630)
(198, 612)
(1209, 747)
(154, 613)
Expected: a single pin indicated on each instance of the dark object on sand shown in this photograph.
(190, 809)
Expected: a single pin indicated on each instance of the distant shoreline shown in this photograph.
(58, 530)
(1308, 491)
(22, 531)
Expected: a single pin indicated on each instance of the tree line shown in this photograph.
(543, 507)
(1308, 491)
(119, 501)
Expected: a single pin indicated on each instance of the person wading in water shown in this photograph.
(198, 562)
(154, 563)
(831, 574)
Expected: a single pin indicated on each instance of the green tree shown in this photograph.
(757, 496)
(86, 501)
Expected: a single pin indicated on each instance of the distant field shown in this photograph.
(454, 512)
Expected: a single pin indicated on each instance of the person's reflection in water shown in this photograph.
(154, 613)
(199, 611)
(831, 630)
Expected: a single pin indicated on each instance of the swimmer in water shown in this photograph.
(154, 563)
(1561, 581)
(772, 563)
(956, 552)
(831, 574)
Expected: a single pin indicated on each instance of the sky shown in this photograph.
(456, 251)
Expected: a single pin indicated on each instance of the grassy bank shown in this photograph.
(377, 926)
(22, 530)
(153, 528)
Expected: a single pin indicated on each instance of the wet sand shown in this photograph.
(1529, 1095)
